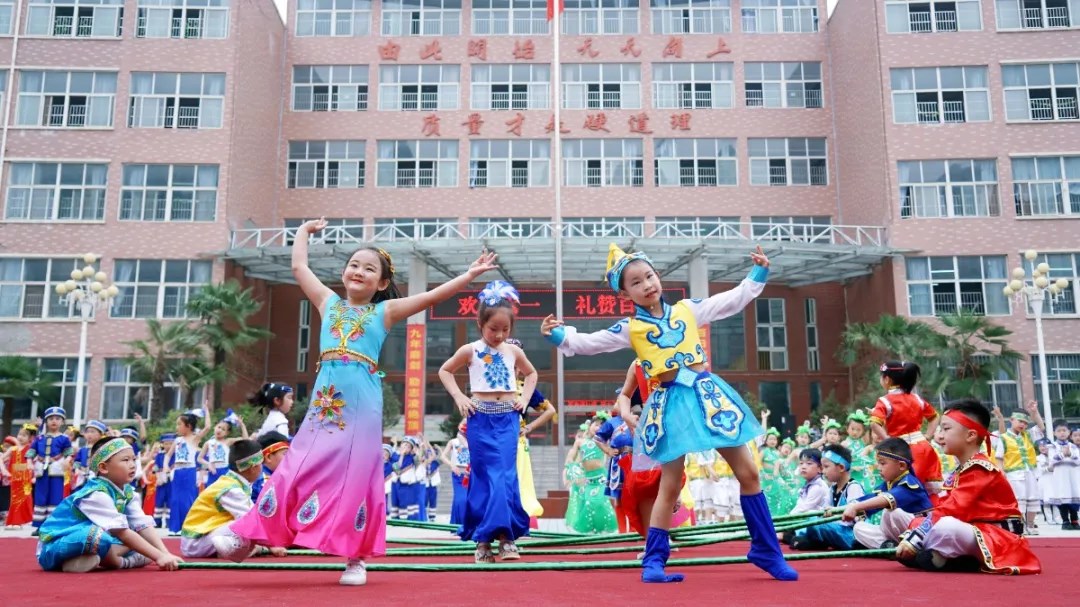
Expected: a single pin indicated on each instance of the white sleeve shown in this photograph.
(137, 519)
(101, 510)
(236, 502)
(728, 303)
(275, 422)
(615, 337)
(999, 448)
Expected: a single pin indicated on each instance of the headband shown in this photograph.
(584, 426)
(249, 462)
(803, 429)
(390, 262)
(773, 432)
(31, 428)
(836, 458)
(617, 261)
(859, 416)
(111, 448)
(814, 457)
(895, 456)
(970, 424)
(274, 448)
(498, 291)
(231, 418)
(885, 367)
(788, 442)
(832, 424)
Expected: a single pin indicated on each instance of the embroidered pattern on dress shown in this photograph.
(328, 405)
(268, 503)
(348, 323)
(653, 428)
(309, 510)
(361, 517)
(496, 373)
(721, 415)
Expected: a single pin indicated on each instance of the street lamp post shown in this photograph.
(87, 290)
(1034, 294)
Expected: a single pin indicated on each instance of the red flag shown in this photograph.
(551, 8)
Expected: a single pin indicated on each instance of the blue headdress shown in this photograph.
(617, 260)
(497, 291)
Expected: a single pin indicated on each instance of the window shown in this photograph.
(176, 101)
(169, 192)
(791, 84)
(65, 99)
(1036, 14)
(7, 8)
(928, 16)
(1046, 186)
(946, 285)
(1062, 265)
(691, 86)
(74, 19)
(28, 287)
(789, 228)
(339, 230)
(509, 227)
(691, 16)
(126, 393)
(776, 396)
(326, 164)
(50, 191)
(413, 18)
(183, 19)
(598, 163)
(330, 88)
(409, 228)
(63, 372)
(948, 188)
(501, 163)
(338, 18)
(697, 227)
(1040, 91)
(419, 87)
(589, 17)
(409, 163)
(157, 288)
(1004, 390)
(597, 86)
(1063, 375)
(727, 339)
(504, 86)
(933, 95)
(790, 161)
(509, 17)
(771, 334)
(813, 351)
(768, 17)
(604, 227)
(303, 336)
(695, 162)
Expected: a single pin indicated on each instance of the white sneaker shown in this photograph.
(231, 547)
(355, 573)
(134, 560)
(81, 564)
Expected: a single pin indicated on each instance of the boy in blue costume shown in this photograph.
(49, 452)
(901, 495)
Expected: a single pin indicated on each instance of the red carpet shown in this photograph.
(835, 582)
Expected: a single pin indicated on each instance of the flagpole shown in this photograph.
(560, 384)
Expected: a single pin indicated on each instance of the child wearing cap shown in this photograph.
(408, 494)
(1018, 457)
(92, 433)
(901, 497)
(49, 453)
(102, 523)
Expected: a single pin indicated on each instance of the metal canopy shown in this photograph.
(801, 254)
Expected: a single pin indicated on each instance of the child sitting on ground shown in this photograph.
(102, 523)
(814, 495)
(836, 466)
(901, 495)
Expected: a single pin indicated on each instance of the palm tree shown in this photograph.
(22, 378)
(158, 357)
(193, 373)
(977, 352)
(223, 311)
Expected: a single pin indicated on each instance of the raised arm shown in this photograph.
(731, 302)
(310, 284)
(570, 342)
(400, 309)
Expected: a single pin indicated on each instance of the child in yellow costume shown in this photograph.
(541, 404)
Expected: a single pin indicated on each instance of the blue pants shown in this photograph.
(48, 493)
(834, 535)
(82, 539)
(457, 508)
(161, 503)
(184, 490)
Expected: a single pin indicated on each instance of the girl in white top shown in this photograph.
(493, 506)
(215, 451)
(1064, 462)
(278, 398)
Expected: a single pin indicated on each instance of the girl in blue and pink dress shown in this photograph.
(305, 502)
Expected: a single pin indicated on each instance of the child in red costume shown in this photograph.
(901, 414)
(977, 525)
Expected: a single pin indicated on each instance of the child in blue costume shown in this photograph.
(409, 495)
(456, 455)
(102, 523)
(274, 446)
(49, 452)
(692, 409)
(162, 463)
(901, 496)
(840, 535)
(92, 433)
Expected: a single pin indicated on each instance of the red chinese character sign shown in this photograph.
(514, 124)
(415, 337)
(721, 49)
(680, 122)
(578, 304)
(639, 123)
(629, 49)
(478, 49)
(389, 51)
(524, 50)
(430, 127)
(473, 123)
(433, 50)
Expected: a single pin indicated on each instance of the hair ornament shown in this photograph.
(497, 291)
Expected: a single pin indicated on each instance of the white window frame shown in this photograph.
(789, 228)
(528, 86)
(674, 17)
(673, 90)
(1062, 265)
(7, 17)
(1012, 15)
(160, 289)
(604, 227)
(396, 84)
(907, 109)
(20, 297)
(584, 86)
(1056, 108)
(492, 163)
(343, 18)
(303, 336)
(939, 189)
(153, 109)
(509, 227)
(130, 387)
(142, 202)
(901, 18)
(813, 345)
(330, 88)
(698, 227)
(944, 272)
(795, 152)
(60, 199)
(183, 19)
(340, 230)
(783, 84)
(779, 16)
(96, 111)
(1063, 374)
(331, 164)
(102, 21)
(415, 228)
(772, 352)
(588, 18)
(420, 19)
(619, 163)
(434, 163)
(702, 162)
(509, 18)
(1046, 195)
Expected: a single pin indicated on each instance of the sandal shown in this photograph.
(483, 555)
(508, 551)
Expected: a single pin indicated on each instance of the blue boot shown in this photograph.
(764, 549)
(657, 551)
